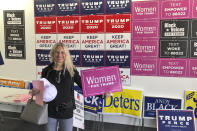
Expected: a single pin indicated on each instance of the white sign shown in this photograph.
(78, 114)
(45, 41)
(72, 41)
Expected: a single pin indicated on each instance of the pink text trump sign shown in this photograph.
(97, 81)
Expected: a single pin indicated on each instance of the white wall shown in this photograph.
(19, 69)
(26, 69)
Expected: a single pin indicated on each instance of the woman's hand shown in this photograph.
(107, 94)
(34, 91)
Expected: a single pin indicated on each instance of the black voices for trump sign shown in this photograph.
(14, 51)
(14, 17)
(174, 28)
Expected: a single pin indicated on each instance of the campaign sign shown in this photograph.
(127, 103)
(14, 18)
(45, 25)
(193, 68)
(193, 49)
(92, 41)
(14, 34)
(173, 67)
(178, 9)
(193, 28)
(68, 24)
(173, 48)
(97, 81)
(145, 48)
(72, 41)
(118, 23)
(120, 58)
(125, 76)
(118, 41)
(191, 100)
(92, 58)
(151, 104)
(15, 51)
(174, 28)
(144, 66)
(45, 41)
(92, 24)
(12, 83)
(44, 7)
(194, 9)
(118, 6)
(93, 104)
(91, 7)
(67, 7)
(175, 120)
(145, 10)
(76, 55)
(42, 57)
(145, 29)
(78, 113)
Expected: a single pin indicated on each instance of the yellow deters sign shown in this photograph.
(191, 101)
(127, 102)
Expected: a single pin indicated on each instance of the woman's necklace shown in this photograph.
(58, 76)
(58, 73)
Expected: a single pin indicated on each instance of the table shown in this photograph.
(7, 96)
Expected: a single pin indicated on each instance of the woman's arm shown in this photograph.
(77, 78)
(44, 73)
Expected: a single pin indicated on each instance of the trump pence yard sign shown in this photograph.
(97, 81)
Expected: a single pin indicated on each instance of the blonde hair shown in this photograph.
(68, 63)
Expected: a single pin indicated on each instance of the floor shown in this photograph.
(96, 126)
(12, 122)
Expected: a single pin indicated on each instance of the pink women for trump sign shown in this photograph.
(97, 81)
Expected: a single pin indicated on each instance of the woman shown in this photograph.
(62, 74)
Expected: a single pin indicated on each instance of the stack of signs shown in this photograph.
(175, 120)
(97, 81)
(151, 104)
(78, 113)
(92, 104)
